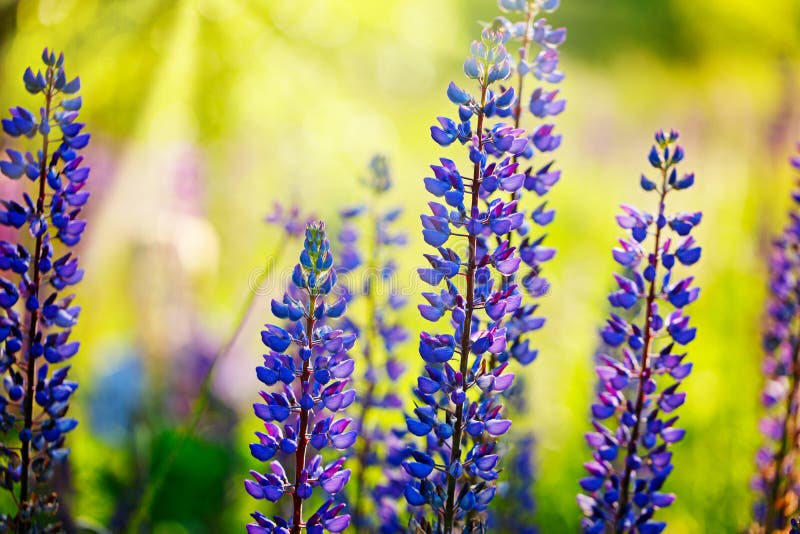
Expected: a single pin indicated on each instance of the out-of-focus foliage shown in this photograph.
(204, 112)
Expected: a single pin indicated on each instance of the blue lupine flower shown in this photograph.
(308, 390)
(639, 385)
(37, 320)
(778, 480)
(368, 269)
(453, 474)
(542, 104)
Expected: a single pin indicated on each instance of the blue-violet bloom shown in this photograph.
(777, 482)
(38, 267)
(368, 272)
(307, 368)
(543, 105)
(633, 418)
(454, 473)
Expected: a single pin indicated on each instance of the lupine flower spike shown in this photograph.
(455, 472)
(307, 367)
(535, 73)
(542, 105)
(37, 317)
(367, 266)
(631, 459)
(778, 478)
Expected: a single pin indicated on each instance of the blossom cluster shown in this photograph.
(307, 369)
(537, 61)
(454, 474)
(37, 317)
(778, 480)
(368, 270)
(543, 105)
(640, 385)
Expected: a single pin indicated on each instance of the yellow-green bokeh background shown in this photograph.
(259, 100)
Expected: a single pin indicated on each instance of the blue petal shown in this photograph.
(413, 496)
(457, 95)
(417, 427)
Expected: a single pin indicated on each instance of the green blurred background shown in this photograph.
(205, 112)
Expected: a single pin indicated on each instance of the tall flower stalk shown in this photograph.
(778, 478)
(531, 32)
(535, 72)
(37, 319)
(367, 265)
(639, 392)
(307, 384)
(455, 472)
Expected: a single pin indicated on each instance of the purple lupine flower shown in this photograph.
(640, 385)
(454, 474)
(778, 480)
(368, 270)
(310, 387)
(543, 104)
(37, 319)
